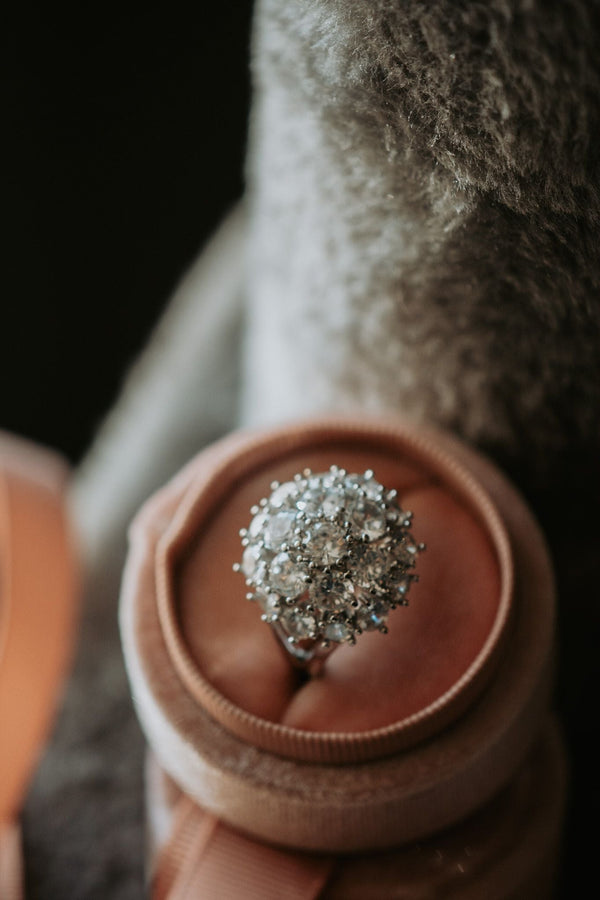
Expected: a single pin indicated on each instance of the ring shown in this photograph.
(327, 556)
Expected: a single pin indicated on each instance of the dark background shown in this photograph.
(123, 141)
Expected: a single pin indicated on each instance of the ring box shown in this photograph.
(423, 757)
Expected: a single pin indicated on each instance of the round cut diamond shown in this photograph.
(282, 494)
(252, 564)
(257, 524)
(286, 577)
(300, 624)
(341, 599)
(337, 632)
(371, 519)
(405, 555)
(327, 542)
(279, 529)
(370, 566)
(333, 502)
(323, 496)
(367, 483)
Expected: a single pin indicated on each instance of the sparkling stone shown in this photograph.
(257, 524)
(327, 543)
(286, 577)
(311, 502)
(279, 528)
(324, 496)
(370, 519)
(271, 603)
(336, 598)
(372, 489)
(371, 565)
(402, 584)
(324, 590)
(370, 486)
(336, 631)
(404, 554)
(300, 625)
(333, 501)
(323, 481)
(340, 600)
(283, 493)
(251, 561)
(373, 616)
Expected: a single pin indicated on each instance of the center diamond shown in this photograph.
(326, 543)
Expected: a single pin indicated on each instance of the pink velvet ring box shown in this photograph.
(435, 736)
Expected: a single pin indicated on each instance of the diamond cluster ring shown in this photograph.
(327, 556)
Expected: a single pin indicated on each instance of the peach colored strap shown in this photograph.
(11, 876)
(205, 858)
(37, 618)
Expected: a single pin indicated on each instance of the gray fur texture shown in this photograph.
(421, 237)
(424, 217)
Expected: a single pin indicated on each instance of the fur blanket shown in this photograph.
(420, 235)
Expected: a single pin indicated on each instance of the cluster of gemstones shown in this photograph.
(328, 555)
